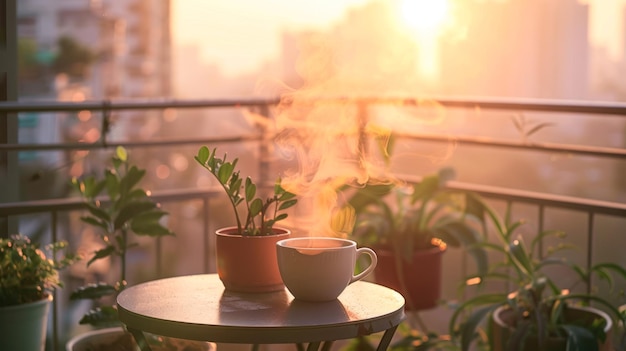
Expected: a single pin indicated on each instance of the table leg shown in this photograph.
(140, 339)
(386, 339)
(327, 345)
(313, 346)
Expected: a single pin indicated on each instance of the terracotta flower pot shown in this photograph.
(248, 263)
(500, 326)
(419, 280)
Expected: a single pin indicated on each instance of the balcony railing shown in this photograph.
(591, 210)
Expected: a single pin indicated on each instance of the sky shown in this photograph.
(606, 25)
(239, 35)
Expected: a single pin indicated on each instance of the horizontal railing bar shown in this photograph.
(75, 203)
(537, 198)
(552, 200)
(111, 105)
(126, 144)
(591, 107)
(548, 200)
(596, 151)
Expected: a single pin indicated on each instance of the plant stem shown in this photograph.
(123, 251)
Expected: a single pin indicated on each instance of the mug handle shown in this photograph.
(370, 268)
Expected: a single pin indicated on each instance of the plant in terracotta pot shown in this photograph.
(253, 237)
(28, 276)
(537, 314)
(127, 210)
(410, 228)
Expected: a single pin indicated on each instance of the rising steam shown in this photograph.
(322, 123)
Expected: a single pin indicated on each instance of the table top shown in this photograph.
(197, 307)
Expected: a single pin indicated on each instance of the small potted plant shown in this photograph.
(246, 252)
(28, 275)
(410, 228)
(128, 210)
(537, 314)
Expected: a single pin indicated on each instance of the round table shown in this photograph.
(197, 307)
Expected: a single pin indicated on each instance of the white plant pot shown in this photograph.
(88, 340)
(23, 327)
(92, 340)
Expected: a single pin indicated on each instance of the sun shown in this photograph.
(425, 16)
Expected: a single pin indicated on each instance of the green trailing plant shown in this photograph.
(538, 305)
(29, 273)
(260, 214)
(125, 210)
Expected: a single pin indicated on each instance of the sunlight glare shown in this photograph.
(425, 16)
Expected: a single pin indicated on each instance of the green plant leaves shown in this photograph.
(579, 338)
(127, 210)
(101, 316)
(256, 206)
(203, 154)
(520, 257)
(102, 253)
(29, 273)
(225, 171)
(130, 180)
(131, 210)
(93, 291)
(261, 215)
(98, 212)
(287, 204)
(250, 189)
(369, 194)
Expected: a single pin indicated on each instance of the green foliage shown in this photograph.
(538, 305)
(406, 218)
(407, 338)
(261, 215)
(28, 65)
(127, 209)
(73, 58)
(526, 128)
(27, 273)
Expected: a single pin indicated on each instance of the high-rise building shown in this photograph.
(131, 40)
(518, 48)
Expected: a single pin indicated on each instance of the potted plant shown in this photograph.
(27, 277)
(253, 238)
(127, 210)
(410, 228)
(537, 314)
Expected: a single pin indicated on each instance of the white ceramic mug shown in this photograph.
(318, 268)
